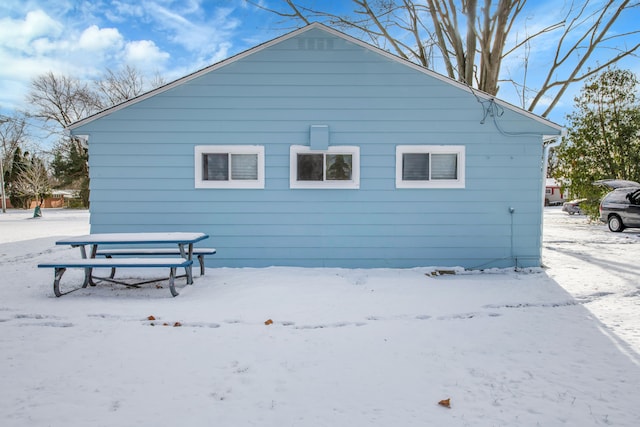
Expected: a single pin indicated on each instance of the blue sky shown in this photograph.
(84, 38)
(176, 37)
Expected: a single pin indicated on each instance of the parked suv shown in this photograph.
(620, 208)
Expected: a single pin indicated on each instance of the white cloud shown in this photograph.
(83, 39)
(33, 42)
(15, 79)
(121, 11)
(191, 28)
(96, 39)
(19, 33)
(145, 54)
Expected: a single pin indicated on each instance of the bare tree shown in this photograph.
(472, 38)
(576, 54)
(33, 182)
(118, 86)
(157, 81)
(61, 99)
(12, 136)
(64, 100)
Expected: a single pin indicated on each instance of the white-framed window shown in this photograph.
(430, 166)
(337, 167)
(229, 166)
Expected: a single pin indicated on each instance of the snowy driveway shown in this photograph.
(599, 268)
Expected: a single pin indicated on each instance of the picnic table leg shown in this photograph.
(201, 261)
(190, 282)
(187, 255)
(94, 250)
(87, 271)
(113, 269)
(172, 276)
(56, 282)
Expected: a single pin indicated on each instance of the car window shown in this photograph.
(617, 197)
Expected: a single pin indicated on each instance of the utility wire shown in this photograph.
(491, 109)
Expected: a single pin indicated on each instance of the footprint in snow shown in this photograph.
(465, 316)
(331, 325)
(33, 316)
(50, 324)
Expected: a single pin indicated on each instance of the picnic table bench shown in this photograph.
(111, 252)
(89, 263)
(129, 257)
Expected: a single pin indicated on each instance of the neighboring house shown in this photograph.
(58, 199)
(553, 193)
(317, 149)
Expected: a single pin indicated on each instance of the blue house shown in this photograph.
(317, 149)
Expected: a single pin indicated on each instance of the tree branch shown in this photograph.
(596, 34)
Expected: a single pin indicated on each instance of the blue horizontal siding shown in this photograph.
(314, 197)
(154, 170)
(142, 177)
(310, 219)
(267, 207)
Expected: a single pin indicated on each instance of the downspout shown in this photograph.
(548, 145)
(2, 195)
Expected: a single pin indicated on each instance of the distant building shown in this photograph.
(553, 193)
(58, 199)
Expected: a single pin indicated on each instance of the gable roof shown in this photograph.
(316, 25)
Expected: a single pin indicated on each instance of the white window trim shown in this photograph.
(437, 149)
(229, 149)
(353, 183)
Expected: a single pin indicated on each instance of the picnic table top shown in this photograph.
(141, 238)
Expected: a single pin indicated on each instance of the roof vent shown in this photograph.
(315, 43)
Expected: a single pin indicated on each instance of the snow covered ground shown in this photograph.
(542, 347)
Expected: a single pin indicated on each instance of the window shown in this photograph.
(336, 167)
(430, 166)
(634, 197)
(229, 166)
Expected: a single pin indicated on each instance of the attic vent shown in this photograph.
(315, 44)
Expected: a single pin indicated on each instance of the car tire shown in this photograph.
(615, 224)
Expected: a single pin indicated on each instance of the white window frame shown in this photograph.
(459, 150)
(353, 183)
(200, 150)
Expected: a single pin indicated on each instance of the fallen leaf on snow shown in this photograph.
(151, 318)
(446, 403)
(268, 322)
